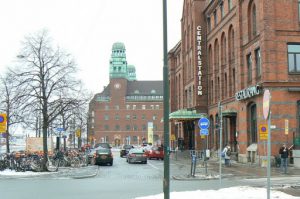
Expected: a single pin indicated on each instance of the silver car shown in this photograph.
(136, 155)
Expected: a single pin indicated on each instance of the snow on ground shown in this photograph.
(243, 192)
(9, 172)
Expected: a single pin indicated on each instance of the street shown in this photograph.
(120, 181)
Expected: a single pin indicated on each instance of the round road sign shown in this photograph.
(266, 103)
(203, 123)
(1, 119)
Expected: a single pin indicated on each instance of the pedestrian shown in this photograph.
(284, 154)
(226, 153)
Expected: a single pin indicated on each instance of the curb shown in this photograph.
(86, 176)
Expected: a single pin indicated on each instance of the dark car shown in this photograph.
(155, 152)
(125, 149)
(136, 155)
(103, 156)
(103, 145)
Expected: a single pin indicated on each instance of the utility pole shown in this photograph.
(220, 154)
(166, 181)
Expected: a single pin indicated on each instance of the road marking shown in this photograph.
(151, 165)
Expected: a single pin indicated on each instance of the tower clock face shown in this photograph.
(117, 85)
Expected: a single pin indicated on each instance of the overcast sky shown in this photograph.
(88, 28)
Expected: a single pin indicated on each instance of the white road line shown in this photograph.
(152, 165)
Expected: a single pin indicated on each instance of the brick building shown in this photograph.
(127, 110)
(250, 46)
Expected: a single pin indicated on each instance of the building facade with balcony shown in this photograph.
(250, 46)
(127, 111)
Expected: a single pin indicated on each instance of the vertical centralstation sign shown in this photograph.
(199, 60)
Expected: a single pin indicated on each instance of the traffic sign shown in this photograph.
(3, 123)
(203, 123)
(263, 132)
(286, 127)
(204, 132)
(60, 129)
(266, 103)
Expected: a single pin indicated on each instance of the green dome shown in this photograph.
(118, 46)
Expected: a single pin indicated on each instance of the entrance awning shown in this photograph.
(229, 113)
(184, 114)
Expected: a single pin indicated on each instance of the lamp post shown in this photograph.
(166, 181)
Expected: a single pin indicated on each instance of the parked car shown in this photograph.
(155, 152)
(136, 155)
(104, 145)
(125, 149)
(103, 156)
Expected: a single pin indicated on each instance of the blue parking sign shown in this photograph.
(203, 123)
(204, 132)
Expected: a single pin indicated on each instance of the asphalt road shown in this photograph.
(120, 181)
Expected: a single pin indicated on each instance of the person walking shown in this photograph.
(284, 154)
(227, 153)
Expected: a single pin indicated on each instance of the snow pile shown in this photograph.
(9, 172)
(243, 192)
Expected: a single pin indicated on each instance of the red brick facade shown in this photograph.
(250, 46)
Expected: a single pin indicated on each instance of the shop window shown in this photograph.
(294, 58)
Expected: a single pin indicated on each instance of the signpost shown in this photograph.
(267, 116)
(203, 124)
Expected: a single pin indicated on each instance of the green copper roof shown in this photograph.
(118, 64)
(185, 114)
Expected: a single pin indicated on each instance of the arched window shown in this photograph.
(252, 123)
(231, 44)
(223, 49)
(210, 59)
(212, 92)
(216, 55)
(252, 21)
(225, 86)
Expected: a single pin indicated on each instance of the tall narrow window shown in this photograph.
(254, 31)
(252, 123)
(299, 10)
(294, 58)
(209, 24)
(249, 67)
(222, 10)
(258, 62)
(229, 5)
(215, 18)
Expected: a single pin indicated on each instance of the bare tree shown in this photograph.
(11, 102)
(48, 75)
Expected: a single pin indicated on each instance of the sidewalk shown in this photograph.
(238, 170)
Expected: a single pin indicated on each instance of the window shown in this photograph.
(252, 123)
(117, 127)
(215, 18)
(299, 10)
(127, 127)
(143, 107)
(117, 107)
(134, 117)
(127, 117)
(154, 117)
(152, 107)
(106, 117)
(258, 62)
(209, 24)
(157, 107)
(93, 114)
(117, 117)
(229, 5)
(144, 127)
(222, 10)
(143, 117)
(133, 107)
(294, 58)
(249, 67)
(128, 107)
(106, 127)
(254, 21)
(252, 25)
(135, 128)
(106, 107)
(135, 138)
